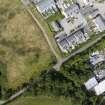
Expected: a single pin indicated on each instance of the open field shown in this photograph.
(41, 100)
(22, 45)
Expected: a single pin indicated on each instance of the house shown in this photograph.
(100, 88)
(96, 58)
(95, 86)
(70, 11)
(63, 4)
(46, 7)
(68, 43)
(62, 42)
(91, 83)
(100, 24)
(98, 20)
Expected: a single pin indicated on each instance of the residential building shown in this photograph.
(46, 7)
(91, 83)
(100, 88)
(63, 4)
(62, 42)
(96, 86)
(97, 57)
(68, 43)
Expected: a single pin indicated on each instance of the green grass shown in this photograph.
(56, 16)
(3, 77)
(23, 47)
(41, 100)
(45, 25)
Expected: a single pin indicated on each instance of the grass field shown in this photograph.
(40, 100)
(22, 45)
(47, 28)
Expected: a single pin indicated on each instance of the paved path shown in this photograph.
(14, 96)
(58, 65)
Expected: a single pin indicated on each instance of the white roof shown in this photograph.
(100, 88)
(91, 83)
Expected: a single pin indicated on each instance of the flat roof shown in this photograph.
(100, 88)
(99, 23)
(45, 5)
(91, 83)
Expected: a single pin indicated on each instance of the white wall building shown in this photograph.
(46, 7)
(91, 83)
(100, 88)
(68, 43)
(96, 58)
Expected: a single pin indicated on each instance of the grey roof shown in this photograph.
(73, 9)
(45, 4)
(64, 44)
(99, 23)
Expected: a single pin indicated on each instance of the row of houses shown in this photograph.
(98, 87)
(68, 43)
(44, 6)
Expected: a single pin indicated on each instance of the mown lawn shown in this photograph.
(41, 100)
(22, 45)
